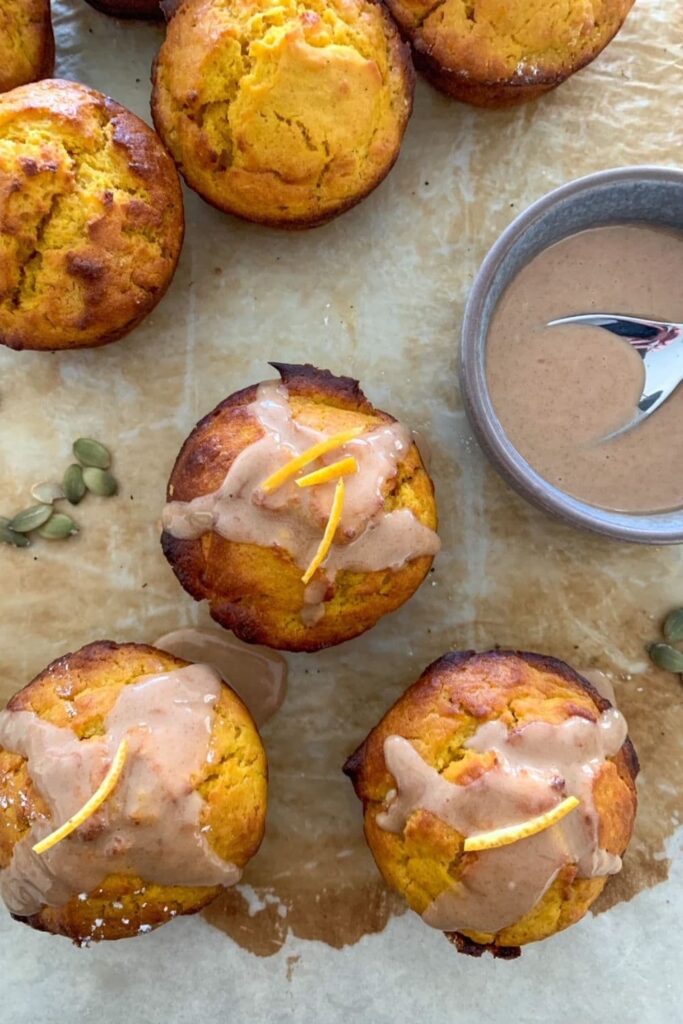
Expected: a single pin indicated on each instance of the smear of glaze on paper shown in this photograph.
(257, 675)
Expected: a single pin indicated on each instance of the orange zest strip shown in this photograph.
(332, 472)
(104, 790)
(506, 836)
(330, 530)
(286, 472)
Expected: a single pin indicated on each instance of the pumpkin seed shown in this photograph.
(91, 453)
(8, 536)
(73, 484)
(30, 518)
(666, 657)
(59, 527)
(99, 481)
(47, 492)
(673, 626)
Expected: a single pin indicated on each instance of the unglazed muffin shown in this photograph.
(483, 742)
(498, 53)
(27, 42)
(248, 548)
(190, 803)
(91, 217)
(129, 8)
(287, 114)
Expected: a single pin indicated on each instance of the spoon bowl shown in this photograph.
(660, 346)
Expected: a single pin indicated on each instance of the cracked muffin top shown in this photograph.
(501, 52)
(91, 217)
(27, 44)
(185, 814)
(286, 113)
(498, 796)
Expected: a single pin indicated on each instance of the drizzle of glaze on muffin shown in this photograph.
(498, 796)
(133, 788)
(150, 827)
(306, 473)
(535, 768)
(292, 518)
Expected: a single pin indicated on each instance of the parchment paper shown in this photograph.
(313, 935)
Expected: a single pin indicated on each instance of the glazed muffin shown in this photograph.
(498, 54)
(300, 512)
(129, 8)
(27, 42)
(91, 218)
(183, 818)
(488, 742)
(286, 114)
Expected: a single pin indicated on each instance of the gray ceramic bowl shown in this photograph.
(653, 195)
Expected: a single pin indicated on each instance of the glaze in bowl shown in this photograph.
(646, 195)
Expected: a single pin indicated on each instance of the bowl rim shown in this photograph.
(644, 528)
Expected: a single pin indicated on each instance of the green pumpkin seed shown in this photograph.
(30, 518)
(666, 657)
(91, 453)
(73, 484)
(47, 492)
(59, 527)
(99, 481)
(673, 626)
(7, 536)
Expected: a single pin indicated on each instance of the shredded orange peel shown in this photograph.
(344, 467)
(103, 791)
(330, 530)
(512, 834)
(290, 469)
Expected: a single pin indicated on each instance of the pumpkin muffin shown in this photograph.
(129, 8)
(286, 114)
(27, 42)
(498, 795)
(184, 815)
(498, 53)
(91, 218)
(300, 512)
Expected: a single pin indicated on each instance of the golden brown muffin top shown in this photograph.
(91, 217)
(282, 113)
(27, 47)
(258, 591)
(454, 697)
(495, 40)
(78, 692)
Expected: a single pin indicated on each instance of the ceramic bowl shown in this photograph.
(650, 195)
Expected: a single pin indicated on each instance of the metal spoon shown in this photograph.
(660, 346)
